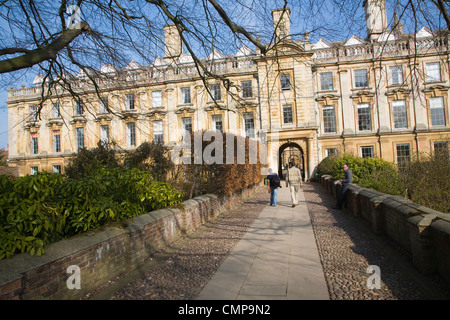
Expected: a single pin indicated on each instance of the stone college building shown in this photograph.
(385, 95)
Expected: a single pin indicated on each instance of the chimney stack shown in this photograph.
(172, 42)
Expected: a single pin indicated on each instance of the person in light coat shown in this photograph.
(294, 180)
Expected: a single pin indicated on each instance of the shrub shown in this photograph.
(44, 208)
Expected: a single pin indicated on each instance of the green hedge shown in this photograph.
(44, 208)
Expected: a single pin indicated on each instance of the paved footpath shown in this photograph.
(276, 259)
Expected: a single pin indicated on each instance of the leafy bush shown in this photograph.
(44, 208)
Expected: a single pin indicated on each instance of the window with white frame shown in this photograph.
(57, 168)
(158, 136)
(217, 122)
(285, 81)
(56, 141)
(80, 138)
(287, 114)
(326, 81)
(215, 92)
(329, 119)
(131, 134)
(361, 79)
(403, 154)
(247, 89)
(56, 110)
(104, 105)
(437, 112)
(367, 152)
(34, 170)
(104, 134)
(331, 152)
(364, 117)
(186, 125)
(433, 71)
(157, 99)
(34, 143)
(396, 74)
(79, 109)
(33, 113)
(129, 101)
(249, 125)
(185, 95)
(399, 114)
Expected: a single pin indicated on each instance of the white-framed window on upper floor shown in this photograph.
(104, 134)
(396, 75)
(56, 141)
(367, 152)
(56, 112)
(400, 115)
(361, 78)
(287, 114)
(79, 138)
(437, 111)
(364, 117)
(185, 95)
(285, 79)
(215, 92)
(433, 72)
(157, 99)
(79, 108)
(131, 134)
(33, 113)
(130, 101)
(326, 81)
(249, 124)
(247, 89)
(103, 105)
(158, 135)
(329, 119)
(217, 123)
(34, 148)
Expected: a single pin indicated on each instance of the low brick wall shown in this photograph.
(421, 231)
(104, 254)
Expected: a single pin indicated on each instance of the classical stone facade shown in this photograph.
(382, 96)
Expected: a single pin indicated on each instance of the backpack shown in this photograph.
(275, 181)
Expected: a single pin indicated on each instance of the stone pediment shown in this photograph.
(321, 44)
(424, 33)
(354, 41)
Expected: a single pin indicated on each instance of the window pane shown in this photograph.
(396, 75)
(361, 78)
(326, 81)
(34, 170)
(287, 114)
(215, 92)
(433, 71)
(34, 143)
(131, 134)
(57, 168)
(79, 110)
(104, 105)
(55, 110)
(33, 113)
(367, 152)
(247, 89)
(249, 125)
(331, 151)
(441, 148)
(129, 101)
(329, 119)
(186, 124)
(104, 134)
(158, 131)
(217, 122)
(186, 95)
(437, 112)
(285, 82)
(80, 138)
(56, 141)
(364, 117)
(157, 99)
(403, 155)
(399, 109)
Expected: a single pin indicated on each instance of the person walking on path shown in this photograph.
(346, 182)
(294, 180)
(273, 182)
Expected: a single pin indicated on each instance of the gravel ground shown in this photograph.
(346, 249)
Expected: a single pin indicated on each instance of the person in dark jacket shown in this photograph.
(272, 185)
(346, 182)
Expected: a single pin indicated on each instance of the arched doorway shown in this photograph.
(290, 152)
